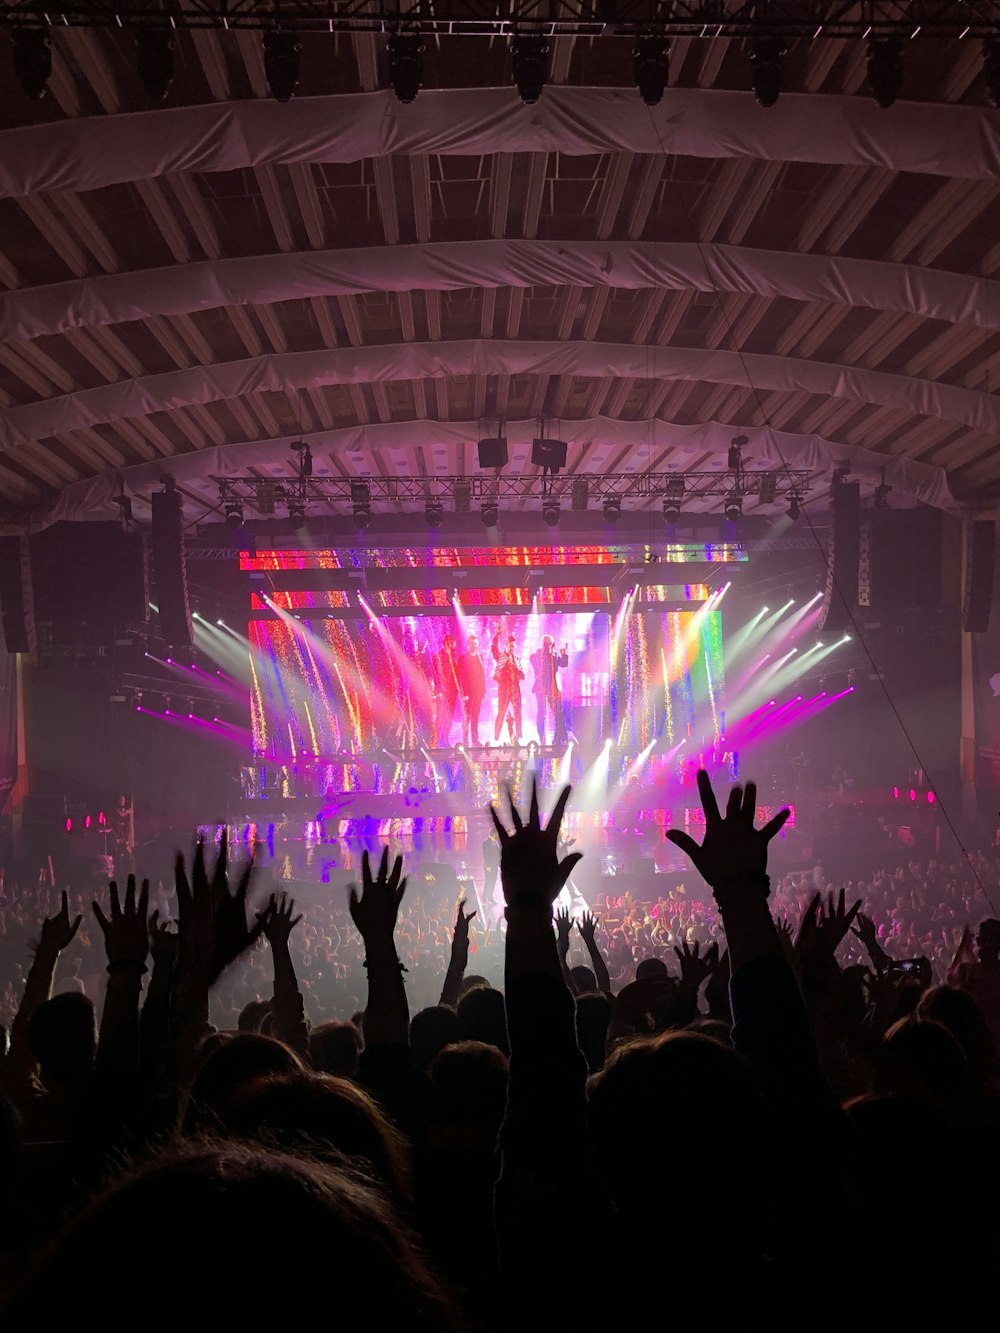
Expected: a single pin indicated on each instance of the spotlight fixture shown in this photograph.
(767, 68)
(794, 507)
(734, 508)
(406, 64)
(154, 59)
(885, 69)
(580, 494)
(991, 69)
(32, 60)
(234, 514)
(362, 516)
(652, 66)
(735, 456)
(671, 509)
(550, 512)
(434, 513)
(361, 501)
(529, 53)
(490, 513)
(297, 514)
(305, 463)
(281, 63)
(612, 509)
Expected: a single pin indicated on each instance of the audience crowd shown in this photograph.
(751, 1096)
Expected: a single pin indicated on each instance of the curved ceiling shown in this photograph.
(188, 289)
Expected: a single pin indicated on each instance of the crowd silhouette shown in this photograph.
(760, 1097)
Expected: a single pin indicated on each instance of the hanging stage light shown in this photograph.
(361, 502)
(767, 68)
(490, 513)
(734, 508)
(550, 512)
(652, 66)
(434, 513)
(529, 53)
(885, 69)
(32, 60)
(297, 514)
(794, 507)
(612, 509)
(406, 65)
(234, 514)
(734, 458)
(281, 63)
(154, 56)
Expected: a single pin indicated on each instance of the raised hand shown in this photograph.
(462, 920)
(58, 931)
(587, 926)
(276, 920)
(695, 965)
(126, 931)
(564, 924)
(375, 912)
(823, 928)
(531, 873)
(732, 848)
(867, 933)
(212, 921)
(163, 941)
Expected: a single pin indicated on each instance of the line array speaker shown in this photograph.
(17, 603)
(980, 565)
(843, 555)
(170, 569)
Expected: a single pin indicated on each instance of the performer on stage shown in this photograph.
(546, 663)
(508, 676)
(446, 689)
(472, 679)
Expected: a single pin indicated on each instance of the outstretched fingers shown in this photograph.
(775, 825)
(501, 831)
(558, 810)
(534, 819)
(684, 841)
(708, 802)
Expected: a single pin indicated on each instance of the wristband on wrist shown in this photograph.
(743, 884)
(389, 962)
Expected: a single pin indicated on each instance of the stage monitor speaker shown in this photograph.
(550, 454)
(170, 569)
(493, 452)
(980, 566)
(841, 592)
(17, 603)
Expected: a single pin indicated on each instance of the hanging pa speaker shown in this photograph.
(17, 605)
(980, 565)
(170, 569)
(840, 595)
(493, 452)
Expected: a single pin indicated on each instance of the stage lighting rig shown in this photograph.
(734, 508)
(281, 63)
(32, 60)
(234, 514)
(550, 512)
(735, 455)
(767, 68)
(885, 69)
(154, 58)
(612, 509)
(406, 65)
(580, 494)
(297, 514)
(652, 66)
(462, 495)
(529, 53)
(490, 513)
(434, 513)
(794, 507)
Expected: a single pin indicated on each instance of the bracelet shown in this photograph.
(128, 962)
(738, 883)
(402, 966)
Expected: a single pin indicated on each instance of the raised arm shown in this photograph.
(387, 1015)
(126, 943)
(587, 926)
(459, 957)
(289, 1014)
(57, 933)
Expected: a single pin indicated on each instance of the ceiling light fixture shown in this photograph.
(529, 53)
(281, 63)
(406, 65)
(612, 509)
(550, 512)
(652, 66)
(767, 68)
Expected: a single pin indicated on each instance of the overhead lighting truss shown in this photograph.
(789, 20)
(623, 489)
